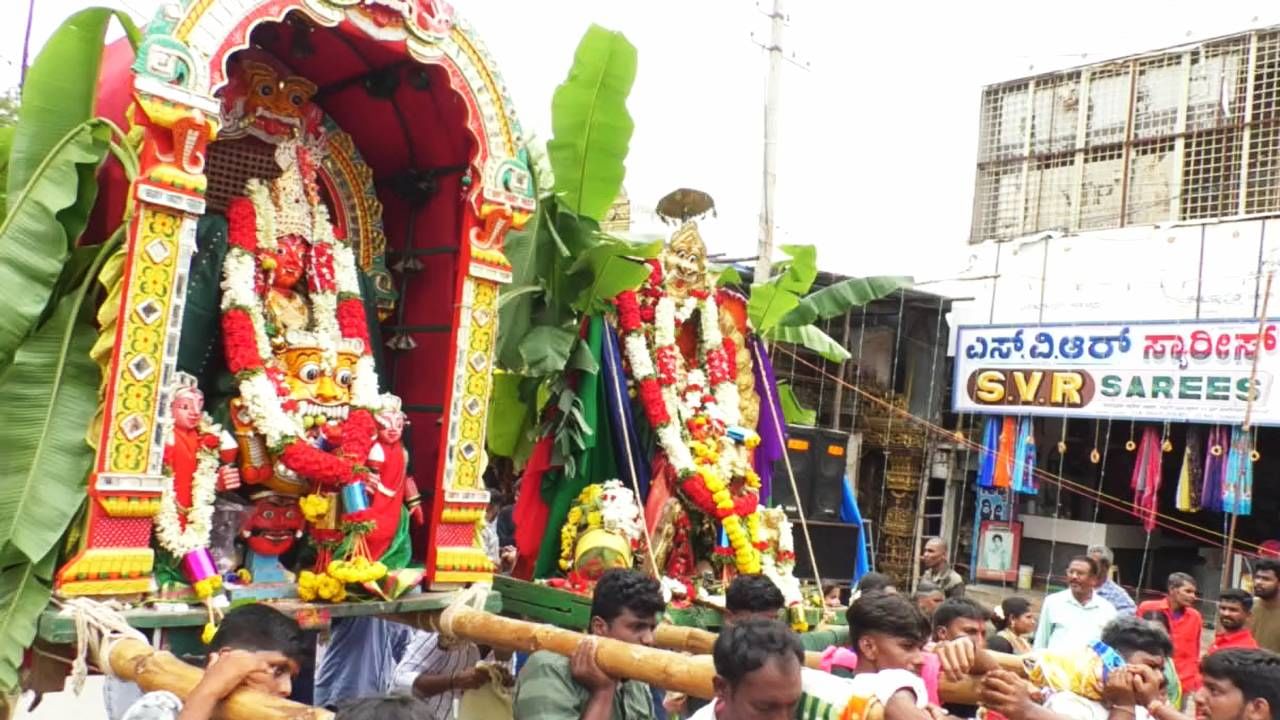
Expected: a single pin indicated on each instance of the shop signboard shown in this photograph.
(1211, 371)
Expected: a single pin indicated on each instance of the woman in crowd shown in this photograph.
(1015, 621)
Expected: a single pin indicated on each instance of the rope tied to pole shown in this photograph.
(99, 625)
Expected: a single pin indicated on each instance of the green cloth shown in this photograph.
(594, 463)
(400, 551)
(546, 690)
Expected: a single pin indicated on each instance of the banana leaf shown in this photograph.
(25, 589)
(51, 393)
(591, 128)
(768, 304)
(812, 337)
(6, 144)
(792, 411)
(800, 271)
(545, 349)
(515, 309)
(60, 89)
(613, 268)
(509, 415)
(42, 225)
(839, 298)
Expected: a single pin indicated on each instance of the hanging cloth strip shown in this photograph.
(1237, 485)
(1191, 476)
(632, 455)
(1024, 459)
(1146, 478)
(990, 447)
(1215, 469)
(771, 428)
(1004, 458)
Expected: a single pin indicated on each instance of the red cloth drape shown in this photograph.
(531, 510)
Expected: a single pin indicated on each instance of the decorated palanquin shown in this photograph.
(302, 335)
(690, 358)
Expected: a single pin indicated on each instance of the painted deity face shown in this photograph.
(319, 388)
(275, 523)
(685, 262)
(290, 257)
(187, 409)
(267, 100)
(390, 427)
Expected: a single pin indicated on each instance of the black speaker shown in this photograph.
(834, 544)
(827, 476)
(800, 442)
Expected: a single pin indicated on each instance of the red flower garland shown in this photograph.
(665, 363)
(242, 224)
(318, 465)
(358, 433)
(320, 277)
(655, 409)
(628, 311)
(240, 342)
(352, 321)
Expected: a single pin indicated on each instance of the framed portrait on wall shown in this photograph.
(998, 546)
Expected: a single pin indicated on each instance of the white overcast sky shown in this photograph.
(878, 135)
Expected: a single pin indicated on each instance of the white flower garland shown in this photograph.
(199, 517)
(619, 511)
(239, 284)
(664, 322)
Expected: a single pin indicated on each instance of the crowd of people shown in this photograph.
(1083, 656)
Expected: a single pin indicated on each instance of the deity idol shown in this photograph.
(687, 386)
(394, 496)
(199, 462)
(269, 531)
(297, 341)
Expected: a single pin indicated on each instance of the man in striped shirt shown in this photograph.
(625, 607)
(436, 674)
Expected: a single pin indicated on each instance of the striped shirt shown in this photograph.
(425, 656)
(546, 690)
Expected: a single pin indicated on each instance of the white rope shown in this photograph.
(472, 597)
(99, 624)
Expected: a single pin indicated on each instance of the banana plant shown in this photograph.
(49, 274)
(563, 266)
(780, 310)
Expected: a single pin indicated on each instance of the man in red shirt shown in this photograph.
(1234, 608)
(1185, 626)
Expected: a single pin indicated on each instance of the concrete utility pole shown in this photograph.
(765, 252)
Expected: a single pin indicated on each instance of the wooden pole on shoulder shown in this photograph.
(153, 669)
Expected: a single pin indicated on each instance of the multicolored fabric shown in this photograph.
(1081, 670)
(827, 697)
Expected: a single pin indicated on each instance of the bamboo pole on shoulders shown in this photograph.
(153, 669)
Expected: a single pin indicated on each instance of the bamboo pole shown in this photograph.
(669, 670)
(153, 669)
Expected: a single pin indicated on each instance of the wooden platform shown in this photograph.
(541, 603)
(57, 627)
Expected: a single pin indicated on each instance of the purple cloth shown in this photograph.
(1215, 468)
(772, 426)
(623, 425)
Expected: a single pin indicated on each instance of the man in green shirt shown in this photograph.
(625, 607)
(1266, 609)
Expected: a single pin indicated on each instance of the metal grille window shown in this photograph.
(1186, 134)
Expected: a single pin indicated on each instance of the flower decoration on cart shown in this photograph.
(694, 410)
(297, 341)
(603, 531)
